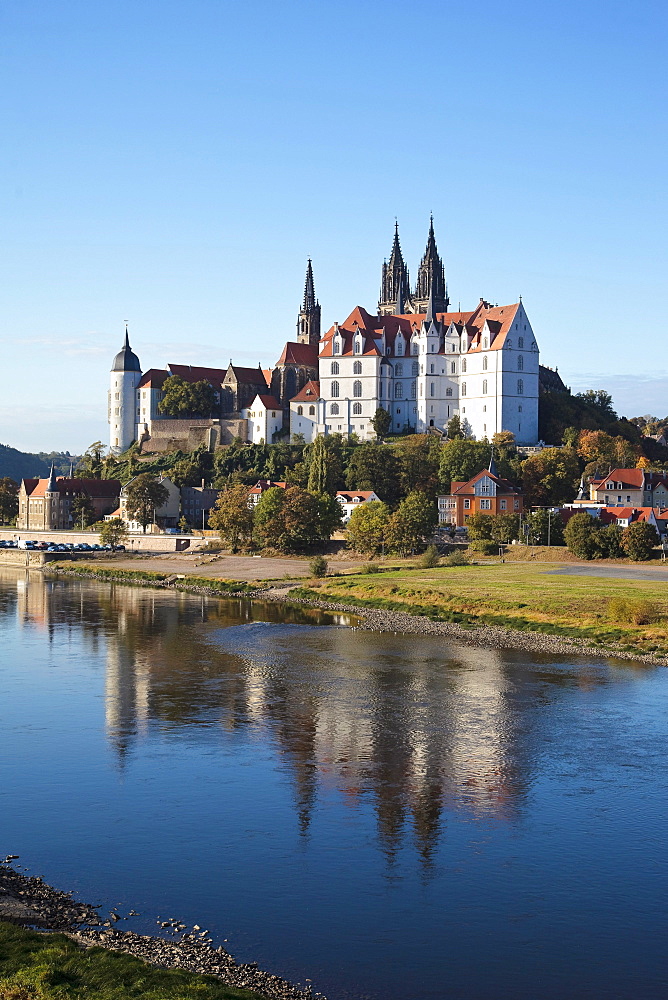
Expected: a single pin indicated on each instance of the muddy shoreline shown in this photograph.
(29, 901)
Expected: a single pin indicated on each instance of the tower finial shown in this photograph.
(492, 464)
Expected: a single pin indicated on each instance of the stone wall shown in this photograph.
(136, 543)
(24, 557)
(188, 435)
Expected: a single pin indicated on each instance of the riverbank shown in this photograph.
(29, 902)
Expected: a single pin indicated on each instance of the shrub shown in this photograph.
(318, 566)
(636, 611)
(430, 558)
(370, 568)
(457, 558)
(638, 540)
(485, 547)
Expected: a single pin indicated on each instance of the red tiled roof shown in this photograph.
(266, 484)
(299, 354)
(629, 478)
(101, 488)
(308, 394)
(468, 488)
(254, 376)
(270, 402)
(349, 497)
(153, 377)
(499, 320)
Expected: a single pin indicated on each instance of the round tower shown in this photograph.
(51, 502)
(125, 377)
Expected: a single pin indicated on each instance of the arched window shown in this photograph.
(520, 343)
(335, 390)
(416, 368)
(337, 347)
(484, 386)
(357, 368)
(520, 387)
(357, 409)
(399, 344)
(463, 388)
(520, 363)
(334, 409)
(413, 390)
(335, 367)
(448, 392)
(399, 370)
(399, 391)
(311, 411)
(453, 367)
(357, 388)
(358, 345)
(484, 363)
(416, 349)
(300, 410)
(463, 364)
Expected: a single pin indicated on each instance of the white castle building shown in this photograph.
(414, 358)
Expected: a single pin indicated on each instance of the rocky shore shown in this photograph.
(488, 636)
(29, 901)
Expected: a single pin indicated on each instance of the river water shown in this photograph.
(392, 817)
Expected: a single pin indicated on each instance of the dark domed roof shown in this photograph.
(126, 360)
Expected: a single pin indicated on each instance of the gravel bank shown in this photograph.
(375, 620)
(29, 901)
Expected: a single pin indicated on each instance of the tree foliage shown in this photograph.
(545, 527)
(367, 529)
(581, 536)
(232, 517)
(461, 459)
(83, 511)
(145, 494)
(294, 519)
(381, 422)
(639, 539)
(114, 532)
(418, 456)
(187, 399)
(551, 477)
(9, 499)
(374, 466)
(91, 465)
(412, 522)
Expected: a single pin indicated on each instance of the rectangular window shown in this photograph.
(516, 505)
(467, 505)
(485, 504)
(502, 504)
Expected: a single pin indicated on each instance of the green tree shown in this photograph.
(460, 460)
(419, 456)
(187, 399)
(480, 526)
(114, 532)
(145, 494)
(610, 540)
(9, 499)
(381, 422)
(317, 473)
(295, 520)
(455, 428)
(639, 539)
(232, 517)
(545, 527)
(92, 464)
(328, 516)
(412, 522)
(367, 529)
(581, 536)
(505, 528)
(374, 466)
(551, 477)
(83, 511)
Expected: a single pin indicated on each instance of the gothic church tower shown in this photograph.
(308, 321)
(431, 278)
(394, 286)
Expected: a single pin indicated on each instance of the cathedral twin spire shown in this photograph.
(395, 293)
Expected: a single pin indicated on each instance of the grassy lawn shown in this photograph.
(516, 595)
(52, 967)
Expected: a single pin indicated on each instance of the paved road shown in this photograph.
(659, 573)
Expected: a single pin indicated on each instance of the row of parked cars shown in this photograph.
(55, 546)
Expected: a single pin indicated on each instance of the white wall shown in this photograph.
(122, 406)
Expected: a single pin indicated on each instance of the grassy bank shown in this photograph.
(149, 578)
(517, 596)
(35, 966)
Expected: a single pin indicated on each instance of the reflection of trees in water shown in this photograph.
(380, 718)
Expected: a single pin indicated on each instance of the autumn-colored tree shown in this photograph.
(295, 520)
(419, 457)
(232, 516)
(551, 477)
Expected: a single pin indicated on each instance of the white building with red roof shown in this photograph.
(350, 500)
(307, 413)
(264, 419)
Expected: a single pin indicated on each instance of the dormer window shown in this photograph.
(358, 345)
(619, 486)
(399, 345)
(416, 349)
(610, 486)
(485, 344)
(337, 346)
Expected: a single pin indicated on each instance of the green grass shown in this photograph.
(36, 966)
(146, 578)
(521, 596)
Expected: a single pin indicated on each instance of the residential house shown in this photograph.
(261, 486)
(351, 500)
(197, 503)
(630, 488)
(165, 517)
(485, 493)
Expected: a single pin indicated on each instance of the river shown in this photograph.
(392, 817)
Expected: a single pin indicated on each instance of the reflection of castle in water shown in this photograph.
(382, 720)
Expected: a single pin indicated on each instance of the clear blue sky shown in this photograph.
(174, 163)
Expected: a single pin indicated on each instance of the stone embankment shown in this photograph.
(488, 636)
(29, 901)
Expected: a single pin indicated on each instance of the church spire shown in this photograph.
(431, 276)
(308, 320)
(394, 288)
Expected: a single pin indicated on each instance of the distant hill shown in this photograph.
(20, 465)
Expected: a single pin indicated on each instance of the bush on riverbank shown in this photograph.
(147, 578)
(35, 966)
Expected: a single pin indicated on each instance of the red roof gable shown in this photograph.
(270, 402)
(194, 373)
(101, 488)
(308, 394)
(154, 377)
(299, 354)
(503, 485)
(629, 478)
